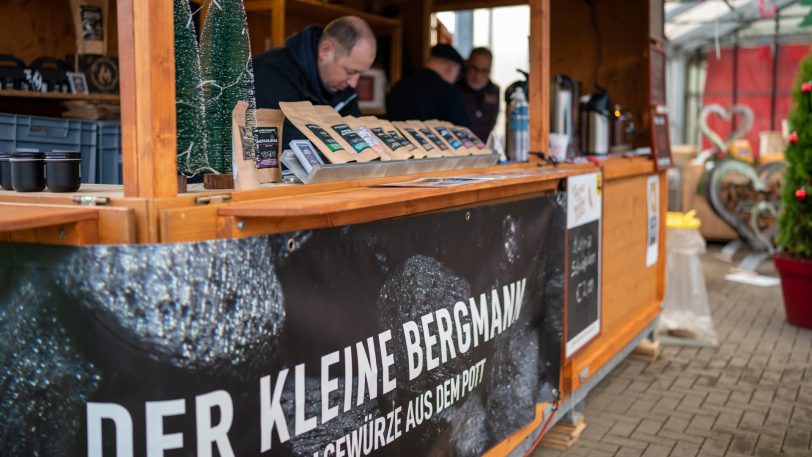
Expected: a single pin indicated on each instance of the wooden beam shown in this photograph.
(21, 217)
(147, 72)
(539, 82)
(460, 5)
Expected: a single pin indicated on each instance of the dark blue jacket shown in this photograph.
(290, 74)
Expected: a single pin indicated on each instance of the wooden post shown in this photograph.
(539, 77)
(278, 24)
(147, 72)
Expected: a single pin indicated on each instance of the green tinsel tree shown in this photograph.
(192, 157)
(228, 76)
(795, 221)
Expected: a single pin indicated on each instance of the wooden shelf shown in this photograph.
(112, 98)
(313, 10)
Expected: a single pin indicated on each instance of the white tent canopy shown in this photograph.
(693, 24)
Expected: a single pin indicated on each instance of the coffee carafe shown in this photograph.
(564, 109)
(596, 111)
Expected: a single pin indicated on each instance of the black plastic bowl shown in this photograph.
(28, 171)
(63, 171)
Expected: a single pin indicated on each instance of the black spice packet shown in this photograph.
(430, 135)
(425, 144)
(325, 137)
(403, 141)
(455, 143)
(267, 147)
(356, 142)
(391, 142)
(245, 144)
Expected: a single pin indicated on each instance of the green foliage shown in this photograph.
(188, 98)
(807, 21)
(225, 56)
(795, 221)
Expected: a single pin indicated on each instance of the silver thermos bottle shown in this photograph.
(519, 133)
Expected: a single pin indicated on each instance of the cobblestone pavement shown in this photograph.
(749, 396)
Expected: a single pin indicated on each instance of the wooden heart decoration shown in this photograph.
(747, 200)
(743, 126)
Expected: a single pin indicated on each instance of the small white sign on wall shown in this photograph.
(653, 219)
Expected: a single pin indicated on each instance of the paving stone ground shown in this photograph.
(751, 395)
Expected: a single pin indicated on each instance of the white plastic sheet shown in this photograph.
(685, 307)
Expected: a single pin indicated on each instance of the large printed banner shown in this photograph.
(428, 335)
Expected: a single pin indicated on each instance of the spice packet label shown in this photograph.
(245, 144)
(431, 136)
(467, 141)
(403, 141)
(356, 142)
(417, 137)
(392, 143)
(325, 137)
(364, 133)
(453, 142)
(307, 155)
(267, 147)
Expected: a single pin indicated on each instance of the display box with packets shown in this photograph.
(343, 148)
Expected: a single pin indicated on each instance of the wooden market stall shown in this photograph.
(148, 209)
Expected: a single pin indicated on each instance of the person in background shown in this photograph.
(318, 65)
(430, 93)
(480, 94)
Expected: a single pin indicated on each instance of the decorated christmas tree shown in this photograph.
(228, 76)
(795, 222)
(192, 157)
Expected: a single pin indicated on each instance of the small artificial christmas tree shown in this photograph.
(192, 157)
(795, 221)
(225, 56)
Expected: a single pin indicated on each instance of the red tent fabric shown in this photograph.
(754, 86)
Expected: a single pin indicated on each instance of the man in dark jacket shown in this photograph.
(318, 65)
(430, 93)
(480, 94)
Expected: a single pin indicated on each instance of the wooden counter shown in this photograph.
(202, 215)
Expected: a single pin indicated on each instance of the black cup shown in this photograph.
(28, 171)
(62, 171)
(5, 171)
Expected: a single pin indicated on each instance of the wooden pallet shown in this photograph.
(563, 435)
(647, 350)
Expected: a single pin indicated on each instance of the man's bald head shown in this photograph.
(346, 32)
(346, 49)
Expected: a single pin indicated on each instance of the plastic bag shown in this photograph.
(685, 310)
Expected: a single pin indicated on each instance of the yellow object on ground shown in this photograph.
(682, 220)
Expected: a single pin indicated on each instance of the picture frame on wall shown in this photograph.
(371, 89)
(78, 83)
(660, 141)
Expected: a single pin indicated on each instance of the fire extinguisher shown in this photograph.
(519, 127)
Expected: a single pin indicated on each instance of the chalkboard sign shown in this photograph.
(584, 208)
(660, 141)
(656, 75)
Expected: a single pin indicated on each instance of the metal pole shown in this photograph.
(774, 89)
(733, 121)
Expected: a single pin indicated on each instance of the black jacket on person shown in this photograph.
(423, 96)
(290, 74)
(482, 107)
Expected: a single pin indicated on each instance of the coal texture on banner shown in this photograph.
(434, 334)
